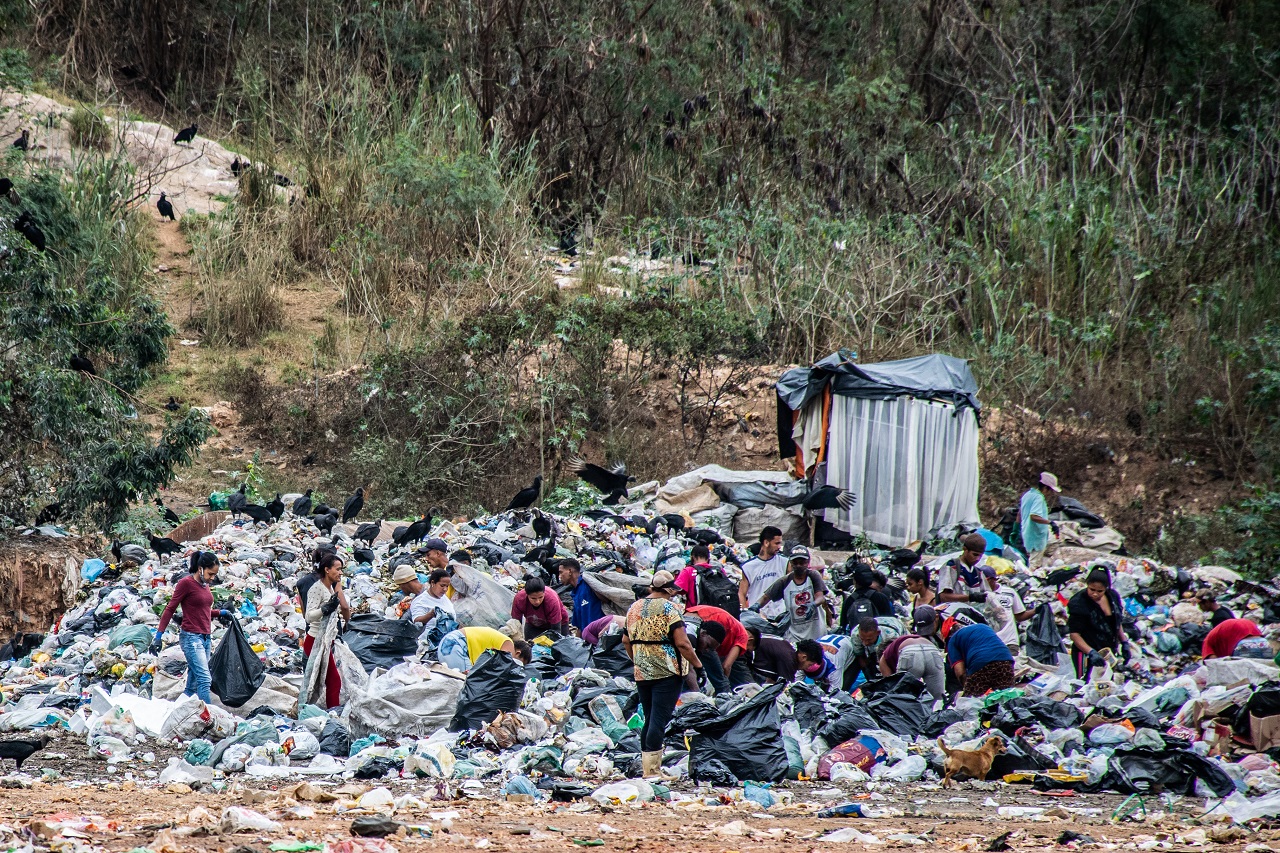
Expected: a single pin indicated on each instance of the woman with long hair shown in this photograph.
(1093, 620)
(193, 595)
(326, 609)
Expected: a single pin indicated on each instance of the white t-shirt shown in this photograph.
(760, 575)
(424, 602)
(1012, 604)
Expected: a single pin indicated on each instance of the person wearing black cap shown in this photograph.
(918, 653)
(864, 601)
(805, 594)
(437, 553)
(1208, 603)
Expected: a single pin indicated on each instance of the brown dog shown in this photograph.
(975, 762)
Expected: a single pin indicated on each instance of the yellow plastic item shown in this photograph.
(41, 657)
(117, 670)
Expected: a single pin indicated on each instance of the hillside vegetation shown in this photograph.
(1080, 197)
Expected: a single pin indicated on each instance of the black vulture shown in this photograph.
(368, 531)
(257, 513)
(363, 555)
(165, 208)
(186, 134)
(30, 230)
(20, 749)
(238, 166)
(607, 480)
(351, 509)
(325, 523)
(417, 531)
(163, 545)
(276, 508)
(82, 364)
(615, 497)
(236, 500)
(23, 142)
(173, 405)
(168, 514)
(302, 505)
(525, 497)
(49, 514)
(541, 525)
(905, 558)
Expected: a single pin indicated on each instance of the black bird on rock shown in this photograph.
(325, 523)
(30, 230)
(49, 514)
(302, 505)
(20, 749)
(23, 142)
(168, 514)
(607, 480)
(351, 509)
(166, 208)
(186, 134)
(526, 497)
(82, 364)
(163, 545)
(276, 508)
(368, 531)
(238, 166)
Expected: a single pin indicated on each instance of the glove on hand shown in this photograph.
(329, 606)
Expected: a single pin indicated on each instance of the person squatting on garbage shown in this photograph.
(193, 595)
(804, 593)
(762, 572)
(1033, 518)
(659, 648)
(771, 659)
(586, 606)
(869, 640)
(978, 657)
(1208, 602)
(325, 597)
(538, 611)
(460, 649)
(721, 645)
(1236, 638)
(960, 578)
(826, 662)
(1094, 622)
(918, 653)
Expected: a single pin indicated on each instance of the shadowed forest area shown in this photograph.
(1079, 197)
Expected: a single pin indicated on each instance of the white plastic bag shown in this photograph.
(843, 771)
(240, 819)
(909, 769)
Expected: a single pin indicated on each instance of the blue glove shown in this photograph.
(224, 612)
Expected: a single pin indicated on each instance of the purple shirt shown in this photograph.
(591, 633)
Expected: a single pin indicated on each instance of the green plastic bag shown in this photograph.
(138, 636)
(199, 752)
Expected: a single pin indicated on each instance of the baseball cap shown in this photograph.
(662, 580)
(1205, 594)
(798, 553)
(404, 574)
(987, 571)
(1047, 479)
(924, 621)
(436, 544)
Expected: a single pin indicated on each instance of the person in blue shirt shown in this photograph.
(586, 607)
(1033, 518)
(978, 656)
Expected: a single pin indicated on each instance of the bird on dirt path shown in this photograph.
(186, 134)
(607, 480)
(276, 508)
(23, 142)
(526, 497)
(302, 505)
(236, 501)
(351, 509)
(20, 749)
(82, 364)
(168, 514)
(30, 230)
(166, 208)
(368, 531)
(163, 545)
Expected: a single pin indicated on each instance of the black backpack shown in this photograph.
(718, 590)
(860, 608)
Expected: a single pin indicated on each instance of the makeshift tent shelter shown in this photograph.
(902, 435)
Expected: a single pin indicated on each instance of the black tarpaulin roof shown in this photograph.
(929, 377)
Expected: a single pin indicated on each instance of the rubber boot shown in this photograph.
(652, 762)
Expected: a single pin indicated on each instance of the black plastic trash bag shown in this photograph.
(1043, 641)
(747, 740)
(713, 771)
(374, 826)
(570, 653)
(1018, 757)
(1176, 770)
(896, 705)
(381, 642)
(937, 722)
(377, 767)
(1265, 702)
(495, 684)
(611, 656)
(1021, 711)
(807, 703)
(236, 669)
(335, 740)
(854, 719)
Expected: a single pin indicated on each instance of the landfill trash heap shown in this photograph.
(566, 725)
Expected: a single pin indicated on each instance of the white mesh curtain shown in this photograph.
(912, 463)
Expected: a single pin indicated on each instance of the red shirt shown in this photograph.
(1221, 642)
(196, 600)
(734, 633)
(549, 614)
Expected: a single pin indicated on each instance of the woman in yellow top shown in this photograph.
(461, 649)
(659, 647)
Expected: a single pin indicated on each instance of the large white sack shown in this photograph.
(408, 700)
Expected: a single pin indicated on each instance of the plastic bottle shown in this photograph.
(843, 810)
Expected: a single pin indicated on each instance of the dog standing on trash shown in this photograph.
(974, 762)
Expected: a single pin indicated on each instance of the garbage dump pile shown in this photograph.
(566, 726)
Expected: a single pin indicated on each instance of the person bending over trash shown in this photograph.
(538, 611)
(586, 606)
(1094, 622)
(978, 657)
(722, 642)
(461, 649)
(827, 662)
(1236, 638)
(869, 640)
(772, 659)
(918, 653)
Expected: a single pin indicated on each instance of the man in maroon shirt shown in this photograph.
(539, 612)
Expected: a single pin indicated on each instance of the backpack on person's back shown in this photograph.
(718, 590)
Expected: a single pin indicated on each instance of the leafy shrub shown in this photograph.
(88, 129)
